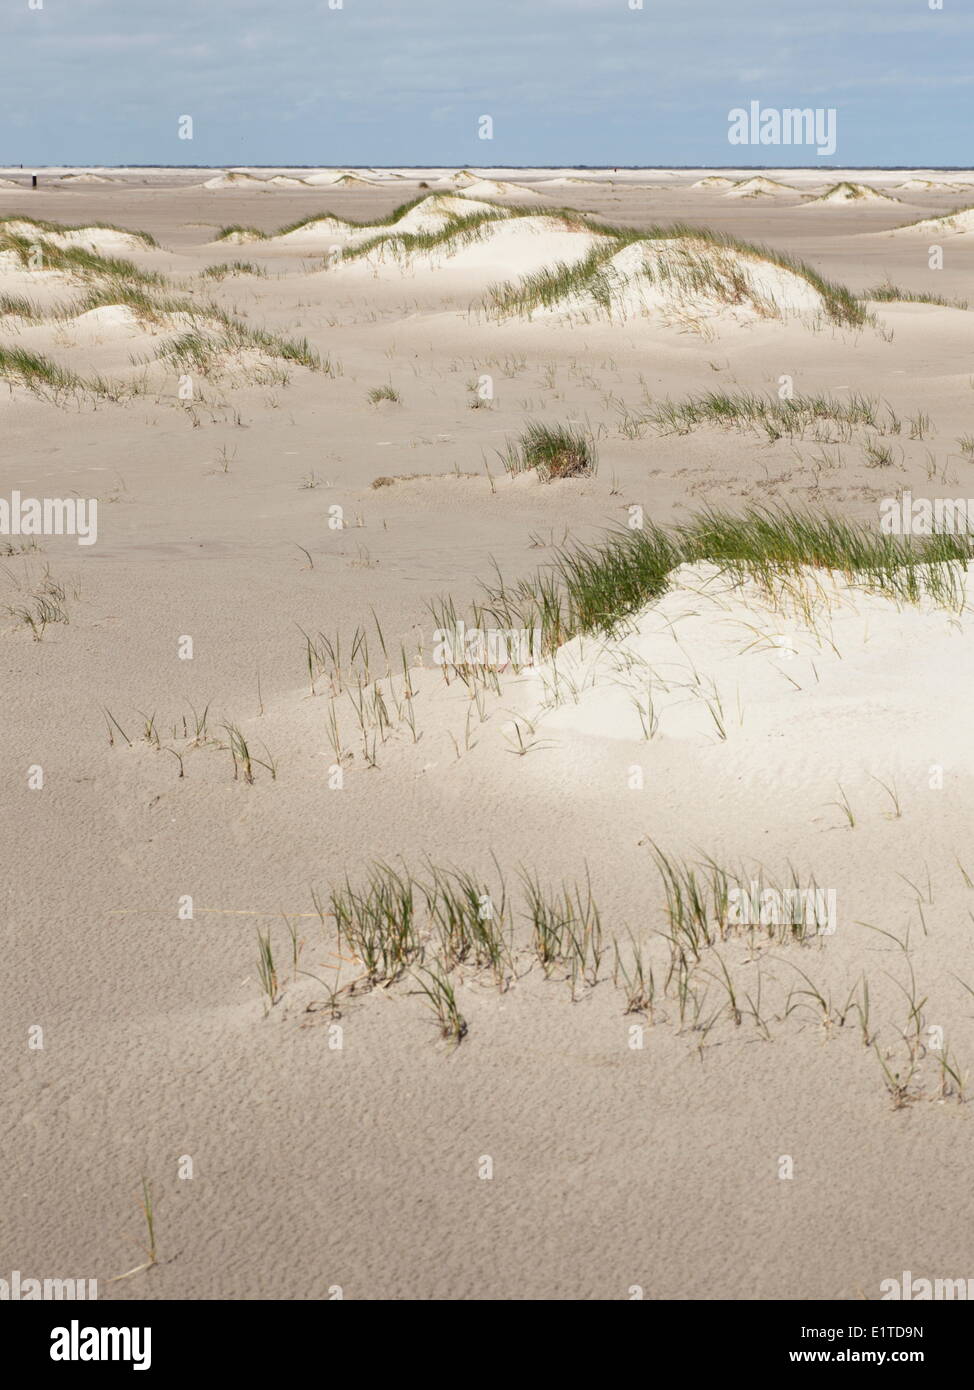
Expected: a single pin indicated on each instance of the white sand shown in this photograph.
(358, 1165)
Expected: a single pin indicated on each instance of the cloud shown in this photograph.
(381, 80)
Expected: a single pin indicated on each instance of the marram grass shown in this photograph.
(593, 588)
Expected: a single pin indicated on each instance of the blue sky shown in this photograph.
(405, 81)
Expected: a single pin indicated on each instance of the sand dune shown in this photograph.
(432, 214)
(567, 182)
(759, 187)
(320, 231)
(106, 240)
(687, 283)
(234, 179)
(920, 185)
(323, 178)
(959, 223)
(708, 614)
(842, 194)
(501, 249)
(86, 178)
(494, 188)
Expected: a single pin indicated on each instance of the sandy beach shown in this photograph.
(623, 949)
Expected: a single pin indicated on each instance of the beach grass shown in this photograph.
(556, 451)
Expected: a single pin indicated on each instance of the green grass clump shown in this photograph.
(853, 191)
(325, 215)
(193, 349)
(311, 218)
(776, 417)
(225, 268)
(586, 589)
(77, 260)
(218, 332)
(235, 229)
(236, 335)
(467, 924)
(40, 605)
(455, 232)
(50, 381)
(889, 293)
(763, 544)
(441, 996)
(44, 226)
(18, 307)
(595, 588)
(148, 306)
(550, 286)
(384, 393)
(379, 923)
(39, 374)
(556, 451)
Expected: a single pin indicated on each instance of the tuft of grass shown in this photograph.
(77, 260)
(888, 293)
(469, 925)
(595, 587)
(455, 232)
(764, 543)
(40, 604)
(566, 929)
(225, 268)
(794, 418)
(44, 226)
(384, 393)
(565, 279)
(851, 189)
(556, 451)
(144, 301)
(378, 923)
(266, 969)
(236, 230)
(638, 980)
(18, 307)
(147, 1205)
(878, 455)
(441, 995)
(217, 332)
(149, 1212)
(39, 374)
